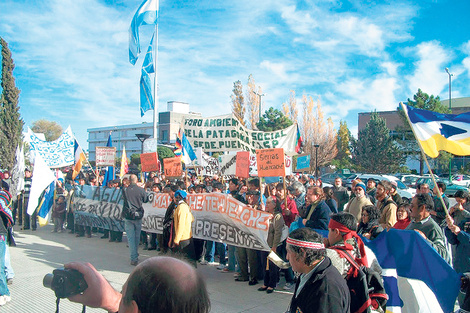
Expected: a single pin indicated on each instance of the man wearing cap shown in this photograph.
(320, 287)
(360, 200)
(182, 236)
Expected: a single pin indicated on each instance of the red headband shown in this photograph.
(362, 259)
(305, 244)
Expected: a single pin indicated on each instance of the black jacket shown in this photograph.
(325, 291)
(320, 216)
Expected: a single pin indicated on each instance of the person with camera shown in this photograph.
(159, 284)
(133, 212)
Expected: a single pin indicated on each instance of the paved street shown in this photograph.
(39, 252)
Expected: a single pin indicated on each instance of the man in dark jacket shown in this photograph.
(320, 287)
(341, 194)
(317, 213)
(133, 213)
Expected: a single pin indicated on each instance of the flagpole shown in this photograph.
(155, 91)
(425, 159)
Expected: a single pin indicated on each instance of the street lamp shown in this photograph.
(450, 108)
(142, 138)
(316, 161)
(260, 95)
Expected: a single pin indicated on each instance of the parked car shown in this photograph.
(461, 180)
(409, 180)
(330, 177)
(404, 191)
(451, 188)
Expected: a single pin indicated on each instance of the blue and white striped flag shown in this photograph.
(146, 95)
(146, 15)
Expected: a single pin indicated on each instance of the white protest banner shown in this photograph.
(217, 217)
(105, 156)
(57, 153)
(227, 163)
(225, 133)
(210, 165)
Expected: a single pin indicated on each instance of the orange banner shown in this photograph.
(172, 167)
(270, 162)
(149, 162)
(242, 167)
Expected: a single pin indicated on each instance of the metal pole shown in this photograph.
(155, 91)
(316, 161)
(450, 108)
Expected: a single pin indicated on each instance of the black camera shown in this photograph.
(65, 282)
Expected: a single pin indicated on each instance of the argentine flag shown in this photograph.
(146, 15)
(438, 131)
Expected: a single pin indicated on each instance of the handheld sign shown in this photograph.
(302, 162)
(242, 168)
(149, 162)
(105, 156)
(270, 162)
(172, 167)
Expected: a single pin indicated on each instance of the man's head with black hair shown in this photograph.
(421, 205)
(303, 258)
(165, 284)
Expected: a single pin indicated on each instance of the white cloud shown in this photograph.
(429, 74)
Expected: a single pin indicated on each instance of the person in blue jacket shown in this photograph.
(317, 214)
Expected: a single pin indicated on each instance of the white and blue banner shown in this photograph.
(416, 277)
(57, 153)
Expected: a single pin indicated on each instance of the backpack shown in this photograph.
(366, 287)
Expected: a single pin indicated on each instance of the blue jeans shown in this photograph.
(210, 251)
(3, 279)
(133, 228)
(8, 268)
(232, 261)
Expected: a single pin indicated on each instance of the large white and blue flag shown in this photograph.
(146, 95)
(146, 14)
(439, 131)
(417, 279)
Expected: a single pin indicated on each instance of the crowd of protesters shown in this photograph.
(300, 202)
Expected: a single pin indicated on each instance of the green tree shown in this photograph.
(50, 129)
(11, 123)
(406, 139)
(135, 159)
(376, 151)
(164, 152)
(272, 120)
(238, 102)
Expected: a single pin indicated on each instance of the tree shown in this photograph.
(376, 151)
(238, 102)
(343, 144)
(290, 109)
(252, 98)
(11, 123)
(421, 100)
(50, 129)
(164, 152)
(315, 131)
(272, 120)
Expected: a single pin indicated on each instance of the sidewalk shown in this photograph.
(40, 252)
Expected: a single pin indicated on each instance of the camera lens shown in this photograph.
(47, 280)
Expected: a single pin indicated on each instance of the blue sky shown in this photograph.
(72, 64)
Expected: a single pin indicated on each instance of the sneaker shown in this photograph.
(236, 275)
(288, 286)
(221, 267)
(204, 262)
(134, 262)
(225, 270)
(3, 301)
(212, 263)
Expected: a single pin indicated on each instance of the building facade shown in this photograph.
(122, 136)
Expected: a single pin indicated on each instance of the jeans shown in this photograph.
(3, 280)
(210, 251)
(133, 228)
(232, 259)
(8, 268)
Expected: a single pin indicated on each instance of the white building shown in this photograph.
(122, 136)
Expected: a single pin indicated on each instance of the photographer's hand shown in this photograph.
(99, 294)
